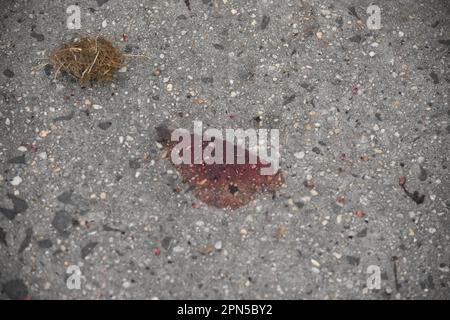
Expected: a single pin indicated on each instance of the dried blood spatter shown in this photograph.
(226, 185)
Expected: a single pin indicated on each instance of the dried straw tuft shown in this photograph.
(87, 59)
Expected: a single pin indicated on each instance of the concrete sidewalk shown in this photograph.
(83, 183)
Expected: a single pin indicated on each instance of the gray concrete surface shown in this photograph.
(82, 181)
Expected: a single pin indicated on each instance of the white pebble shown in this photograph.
(315, 263)
(218, 245)
(16, 181)
(299, 155)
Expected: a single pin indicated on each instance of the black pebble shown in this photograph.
(105, 125)
(354, 261)
(166, 243)
(48, 69)
(38, 36)
(218, 46)
(87, 249)
(17, 160)
(26, 241)
(3, 237)
(19, 206)
(356, 38)
(265, 22)
(101, 2)
(8, 73)
(65, 197)
(288, 99)
(435, 77)
(45, 244)
(61, 222)
(134, 164)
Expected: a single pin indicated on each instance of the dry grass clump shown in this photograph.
(87, 58)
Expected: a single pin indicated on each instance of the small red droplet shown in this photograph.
(195, 205)
(355, 90)
(157, 251)
(360, 214)
(402, 181)
(125, 38)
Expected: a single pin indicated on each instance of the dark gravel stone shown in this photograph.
(64, 118)
(307, 86)
(218, 46)
(316, 150)
(299, 204)
(111, 229)
(19, 206)
(163, 133)
(101, 2)
(3, 237)
(26, 241)
(167, 243)
(354, 261)
(352, 11)
(17, 160)
(435, 77)
(87, 249)
(8, 73)
(356, 38)
(65, 197)
(105, 125)
(15, 289)
(288, 99)
(38, 36)
(378, 116)
(265, 22)
(134, 164)
(362, 233)
(48, 69)
(61, 222)
(45, 243)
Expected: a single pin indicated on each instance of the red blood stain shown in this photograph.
(360, 214)
(195, 205)
(125, 38)
(157, 251)
(225, 185)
